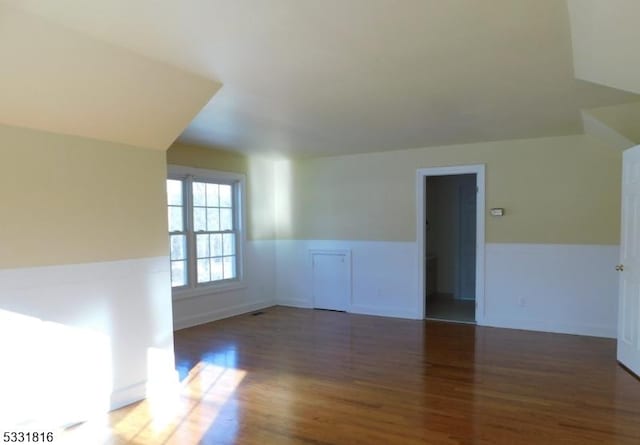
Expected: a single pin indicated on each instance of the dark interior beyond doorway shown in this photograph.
(445, 307)
(450, 234)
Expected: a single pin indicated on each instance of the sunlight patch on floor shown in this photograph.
(180, 417)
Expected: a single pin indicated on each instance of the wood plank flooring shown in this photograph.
(296, 376)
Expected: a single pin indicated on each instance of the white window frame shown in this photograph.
(194, 289)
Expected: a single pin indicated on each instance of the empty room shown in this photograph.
(320, 222)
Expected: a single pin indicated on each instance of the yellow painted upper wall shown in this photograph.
(555, 190)
(606, 38)
(259, 175)
(201, 157)
(68, 200)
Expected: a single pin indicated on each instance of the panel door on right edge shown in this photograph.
(629, 267)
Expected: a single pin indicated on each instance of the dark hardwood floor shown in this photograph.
(296, 376)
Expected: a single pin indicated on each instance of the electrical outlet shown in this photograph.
(522, 302)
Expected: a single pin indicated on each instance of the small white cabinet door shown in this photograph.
(629, 267)
(331, 280)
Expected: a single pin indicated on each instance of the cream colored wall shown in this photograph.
(605, 38)
(555, 190)
(70, 200)
(260, 182)
(93, 215)
(200, 157)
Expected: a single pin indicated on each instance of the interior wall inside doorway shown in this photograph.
(444, 233)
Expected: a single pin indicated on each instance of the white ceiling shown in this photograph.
(319, 77)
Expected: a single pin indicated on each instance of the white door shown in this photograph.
(629, 267)
(331, 280)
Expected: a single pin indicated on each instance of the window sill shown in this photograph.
(185, 294)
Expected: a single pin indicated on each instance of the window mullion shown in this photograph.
(191, 238)
(237, 228)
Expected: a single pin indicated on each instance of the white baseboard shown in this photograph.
(383, 275)
(385, 312)
(358, 309)
(257, 291)
(555, 327)
(219, 314)
(128, 395)
(545, 287)
(304, 304)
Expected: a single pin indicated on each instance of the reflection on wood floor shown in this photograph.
(445, 307)
(297, 376)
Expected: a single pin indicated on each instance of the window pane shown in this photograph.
(212, 216)
(202, 246)
(177, 247)
(225, 195)
(213, 220)
(199, 218)
(178, 273)
(212, 195)
(226, 219)
(203, 271)
(216, 245)
(216, 269)
(229, 267)
(229, 244)
(174, 192)
(175, 219)
(199, 194)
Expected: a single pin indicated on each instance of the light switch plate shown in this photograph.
(497, 212)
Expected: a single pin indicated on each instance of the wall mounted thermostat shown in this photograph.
(497, 212)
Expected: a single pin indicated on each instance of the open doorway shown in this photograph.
(451, 237)
(450, 233)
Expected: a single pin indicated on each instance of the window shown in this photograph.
(205, 228)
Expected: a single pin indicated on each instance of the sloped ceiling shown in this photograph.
(606, 42)
(320, 77)
(624, 119)
(63, 81)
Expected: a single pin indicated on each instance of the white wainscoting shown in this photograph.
(257, 292)
(546, 287)
(571, 289)
(78, 339)
(92, 334)
(384, 279)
